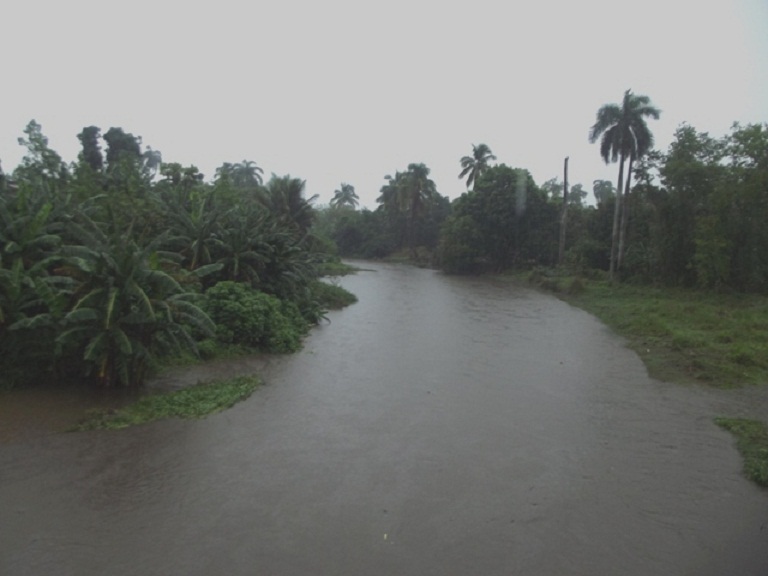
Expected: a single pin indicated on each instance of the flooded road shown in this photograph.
(440, 426)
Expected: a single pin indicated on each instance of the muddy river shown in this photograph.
(440, 426)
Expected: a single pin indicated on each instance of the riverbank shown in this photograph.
(682, 336)
(48, 408)
(687, 337)
(443, 424)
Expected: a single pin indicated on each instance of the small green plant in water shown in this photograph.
(752, 443)
(194, 402)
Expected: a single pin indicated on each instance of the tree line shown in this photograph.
(118, 259)
(692, 216)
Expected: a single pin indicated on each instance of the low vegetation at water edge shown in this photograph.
(193, 402)
(752, 443)
(682, 335)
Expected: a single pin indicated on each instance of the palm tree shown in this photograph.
(388, 193)
(246, 174)
(224, 173)
(643, 144)
(284, 197)
(623, 134)
(415, 191)
(345, 196)
(473, 166)
(240, 245)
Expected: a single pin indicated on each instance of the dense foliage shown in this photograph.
(118, 259)
(246, 316)
(408, 218)
(693, 216)
(505, 221)
(104, 262)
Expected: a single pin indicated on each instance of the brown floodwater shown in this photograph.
(440, 426)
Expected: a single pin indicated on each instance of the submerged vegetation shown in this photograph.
(194, 402)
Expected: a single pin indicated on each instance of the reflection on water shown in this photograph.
(46, 409)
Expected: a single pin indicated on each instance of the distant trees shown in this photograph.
(708, 217)
(698, 214)
(409, 195)
(246, 174)
(41, 168)
(121, 145)
(91, 153)
(105, 263)
(505, 221)
(345, 197)
(698, 211)
(284, 197)
(603, 191)
(472, 167)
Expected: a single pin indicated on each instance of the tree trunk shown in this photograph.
(563, 215)
(625, 214)
(616, 213)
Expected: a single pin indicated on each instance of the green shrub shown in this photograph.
(245, 316)
(331, 296)
(207, 349)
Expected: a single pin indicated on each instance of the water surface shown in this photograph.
(439, 426)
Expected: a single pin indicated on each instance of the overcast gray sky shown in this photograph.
(349, 91)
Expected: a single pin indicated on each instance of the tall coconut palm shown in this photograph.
(473, 166)
(622, 132)
(388, 193)
(345, 197)
(643, 144)
(414, 193)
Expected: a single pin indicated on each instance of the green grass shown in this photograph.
(335, 269)
(752, 443)
(331, 295)
(683, 336)
(193, 402)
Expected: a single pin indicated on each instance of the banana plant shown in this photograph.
(125, 307)
(192, 225)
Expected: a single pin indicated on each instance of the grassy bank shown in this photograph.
(686, 337)
(203, 399)
(752, 442)
(682, 336)
(193, 402)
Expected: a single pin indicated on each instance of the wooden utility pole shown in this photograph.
(563, 215)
